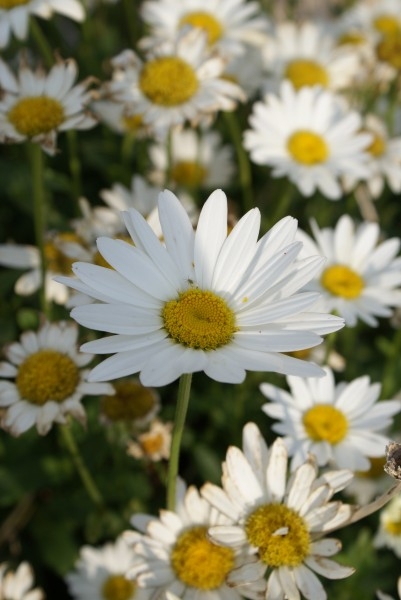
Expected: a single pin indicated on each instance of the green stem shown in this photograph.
(131, 17)
(86, 477)
(42, 43)
(75, 167)
(39, 211)
(245, 174)
(283, 203)
(389, 381)
(169, 162)
(184, 389)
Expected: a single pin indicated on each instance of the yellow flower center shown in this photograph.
(377, 146)
(151, 443)
(188, 173)
(57, 261)
(47, 375)
(304, 72)
(376, 469)
(389, 50)
(280, 534)
(131, 401)
(168, 81)
(8, 4)
(132, 123)
(199, 563)
(117, 587)
(387, 24)
(37, 114)
(324, 422)
(301, 354)
(199, 319)
(205, 21)
(342, 281)
(307, 147)
(392, 521)
(351, 37)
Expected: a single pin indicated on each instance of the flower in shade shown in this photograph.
(36, 105)
(361, 277)
(101, 573)
(17, 585)
(382, 596)
(389, 533)
(278, 524)
(154, 444)
(336, 423)
(200, 301)
(131, 402)
(43, 380)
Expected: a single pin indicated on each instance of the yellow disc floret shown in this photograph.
(168, 81)
(199, 319)
(304, 72)
(354, 38)
(324, 422)
(117, 587)
(389, 50)
(377, 146)
(199, 563)
(131, 401)
(280, 534)
(56, 260)
(8, 4)
(132, 123)
(47, 375)
(307, 147)
(35, 115)
(188, 173)
(205, 21)
(342, 281)
(387, 24)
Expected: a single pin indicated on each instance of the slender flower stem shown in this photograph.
(244, 165)
(39, 209)
(75, 167)
(42, 43)
(184, 389)
(169, 161)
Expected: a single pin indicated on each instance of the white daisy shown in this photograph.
(361, 277)
(368, 485)
(309, 137)
(278, 523)
(204, 301)
(153, 445)
(14, 15)
(36, 105)
(118, 117)
(230, 25)
(16, 585)
(389, 533)
(336, 423)
(101, 573)
(382, 596)
(43, 380)
(176, 554)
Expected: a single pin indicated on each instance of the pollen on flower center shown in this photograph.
(131, 401)
(7, 4)
(117, 587)
(304, 72)
(324, 422)
(199, 319)
(188, 173)
(389, 50)
(47, 375)
(280, 534)
(168, 81)
(378, 146)
(342, 281)
(198, 562)
(205, 21)
(307, 147)
(35, 115)
(387, 24)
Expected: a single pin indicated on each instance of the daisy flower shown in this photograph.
(101, 573)
(132, 402)
(382, 596)
(154, 444)
(336, 423)
(177, 555)
(118, 117)
(381, 17)
(43, 380)
(14, 15)
(16, 585)
(360, 278)
(368, 485)
(36, 105)
(309, 137)
(278, 523)
(230, 25)
(389, 533)
(201, 301)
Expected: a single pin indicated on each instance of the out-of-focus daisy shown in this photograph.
(202, 301)
(196, 160)
(154, 444)
(307, 54)
(118, 117)
(361, 277)
(36, 105)
(309, 137)
(43, 380)
(176, 83)
(382, 596)
(367, 485)
(131, 402)
(16, 585)
(177, 554)
(247, 70)
(14, 15)
(229, 25)
(319, 355)
(381, 17)
(278, 523)
(101, 573)
(389, 533)
(336, 423)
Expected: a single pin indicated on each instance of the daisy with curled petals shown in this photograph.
(336, 423)
(36, 105)
(200, 301)
(278, 523)
(361, 277)
(309, 137)
(43, 380)
(16, 585)
(177, 555)
(102, 573)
